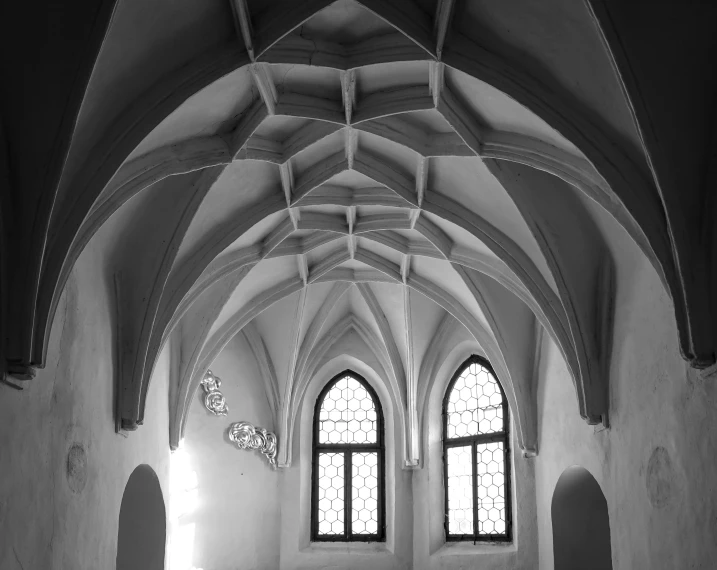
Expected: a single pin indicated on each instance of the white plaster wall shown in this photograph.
(237, 513)
(656, 463)
(60, 510)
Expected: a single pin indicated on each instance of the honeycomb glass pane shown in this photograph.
(331, 494)
(348, 414)
(490, 464)
(364, 493)
(460, 490)
(475, 404)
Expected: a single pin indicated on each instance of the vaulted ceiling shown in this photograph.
(302, 173)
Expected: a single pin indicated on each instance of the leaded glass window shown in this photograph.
(348, 447)
(476, 455)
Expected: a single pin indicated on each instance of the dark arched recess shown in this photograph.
(581, 525)
(142, 534)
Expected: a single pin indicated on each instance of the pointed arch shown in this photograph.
(349, 323)
(476, 425)
(348, 442)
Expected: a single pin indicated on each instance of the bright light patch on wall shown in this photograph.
(183, 485)
(183, 497)
(182, 547)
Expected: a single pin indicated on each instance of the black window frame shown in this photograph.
(347, 449)
(474, 441)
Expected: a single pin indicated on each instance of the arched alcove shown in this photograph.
(141, 537)
(581, 525)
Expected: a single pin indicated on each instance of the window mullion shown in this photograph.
(348, 488)
(446, 528)
(508, 501)
(480, 438)
(474, 460)
(340, 448)
(381, 530)
(315, 495)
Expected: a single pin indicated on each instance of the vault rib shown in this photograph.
(242, 24)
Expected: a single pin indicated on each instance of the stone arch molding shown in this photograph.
(563, 303)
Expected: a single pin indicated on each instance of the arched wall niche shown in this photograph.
(429, 513)
(581, 523)
(433, 436)
(374, 376)
(297, 549)
(142, 534)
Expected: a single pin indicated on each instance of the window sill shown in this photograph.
(466, 548)
(367, 548)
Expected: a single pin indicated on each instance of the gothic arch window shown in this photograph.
(348, 486)
(476, 455)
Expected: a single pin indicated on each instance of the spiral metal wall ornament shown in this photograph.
(214, 400)
(247, 436)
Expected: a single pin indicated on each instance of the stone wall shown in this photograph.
(64, 467)
(655, 464)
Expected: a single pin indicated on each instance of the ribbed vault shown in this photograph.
(352, 168)
(372, 164)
